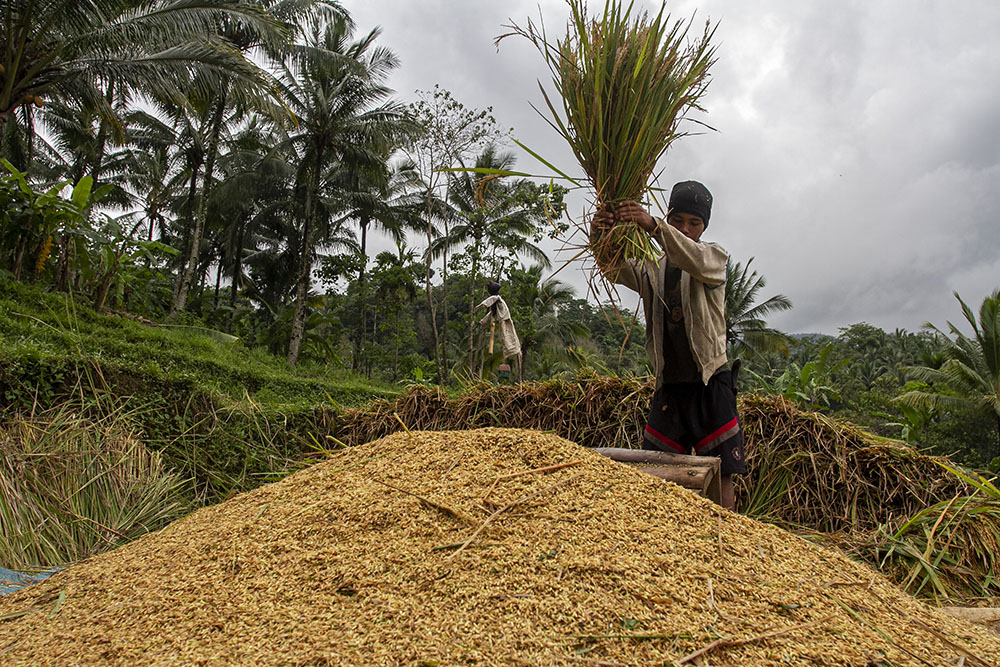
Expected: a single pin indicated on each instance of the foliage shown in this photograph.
(101, 251)
(72, 486)
(950, 549)
(747, 333)
(616, 341)
(224, 415)
(970, 376)
(809, 386)
(59, 333)
(59, 49)
(31, 220)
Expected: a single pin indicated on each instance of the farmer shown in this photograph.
(684, 296)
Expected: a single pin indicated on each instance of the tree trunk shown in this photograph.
(362, 309)
(218, 280)
(473, 281)
(97, 165)
(189, 234)
(301, 292)
(430, 298)
(305, 264)
(395, 347)
(444, 277)
(237, 272)
(202, 279)
(211, 150)
(368, 361)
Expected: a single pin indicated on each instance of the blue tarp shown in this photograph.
(11, 580)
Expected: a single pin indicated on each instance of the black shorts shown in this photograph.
(692, 416)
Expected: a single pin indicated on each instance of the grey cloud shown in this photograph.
(857, 158)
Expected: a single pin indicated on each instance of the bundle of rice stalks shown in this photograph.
(490, 547)
(810, 471)
(624, 83)
(72, 486)
(593, 410)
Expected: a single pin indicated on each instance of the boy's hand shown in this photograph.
(601, 222)
(630, 210)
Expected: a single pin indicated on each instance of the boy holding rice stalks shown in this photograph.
(683, 295)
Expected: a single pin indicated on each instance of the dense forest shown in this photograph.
(226, 166)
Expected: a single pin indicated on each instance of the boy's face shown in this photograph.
(689, 225)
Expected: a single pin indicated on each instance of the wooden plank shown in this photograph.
(688, 477)
(649, 456)
(698, 473)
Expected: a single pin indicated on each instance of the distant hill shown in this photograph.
(812, 336)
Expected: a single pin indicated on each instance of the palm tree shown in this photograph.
(495, 221)
(148, 169)
(747, 332)
(59, 48)
(232, 98)
(250, 204)
(553, 334)
(970, 377)
(379, 197)
(344, 122)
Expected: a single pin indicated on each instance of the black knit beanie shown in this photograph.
(691, 197)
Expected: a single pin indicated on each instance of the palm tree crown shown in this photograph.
(970, 377)
(60, 47)
(747, 332)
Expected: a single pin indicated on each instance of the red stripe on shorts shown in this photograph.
(715, 434)
(665, 440)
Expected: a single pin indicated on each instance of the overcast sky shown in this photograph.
(857, 157)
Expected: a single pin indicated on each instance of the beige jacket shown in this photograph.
(508, 336)
(703, 297)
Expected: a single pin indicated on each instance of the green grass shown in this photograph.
(47, 341)
(226, 417)
(72, 486)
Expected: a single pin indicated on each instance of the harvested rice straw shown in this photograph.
(624, 83)
(612, 566)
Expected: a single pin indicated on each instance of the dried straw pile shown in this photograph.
(593, 410)
(809, 470)
(805, 469)
(444, 548)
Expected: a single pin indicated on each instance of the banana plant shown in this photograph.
(32, 221)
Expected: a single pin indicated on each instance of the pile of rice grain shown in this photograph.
(358, 561)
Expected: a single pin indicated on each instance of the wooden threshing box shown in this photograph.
(698, 473)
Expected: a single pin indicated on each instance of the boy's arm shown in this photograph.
(705, 262)
(625, 274)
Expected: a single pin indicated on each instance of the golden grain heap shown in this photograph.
(486, 547)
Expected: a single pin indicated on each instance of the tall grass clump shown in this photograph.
(72, 486)
(624, 81)
(950, 550)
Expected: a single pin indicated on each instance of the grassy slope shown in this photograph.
(225, 415)
(46, 338)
